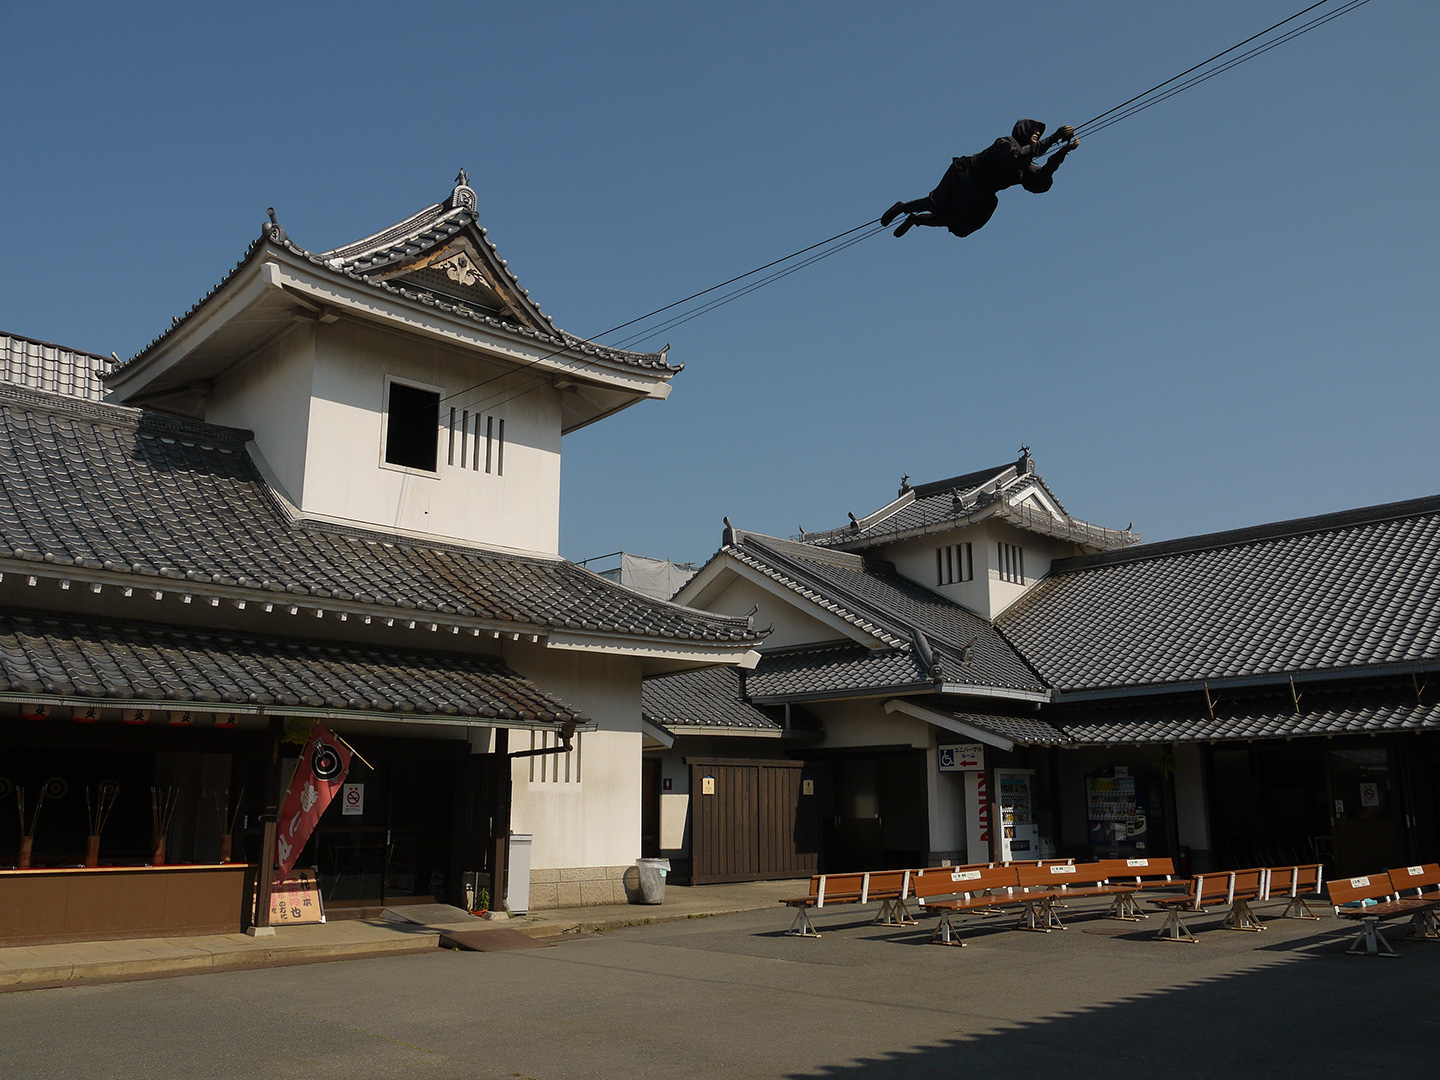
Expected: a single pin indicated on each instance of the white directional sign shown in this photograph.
(962, 757)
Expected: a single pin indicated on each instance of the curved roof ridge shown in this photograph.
(387, 234)
(1251, 534)
(274, 235)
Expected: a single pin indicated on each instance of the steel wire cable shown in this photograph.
(1126, 109)
(1259, 50)
(1197, 67)
(667, 307)
(509, 394)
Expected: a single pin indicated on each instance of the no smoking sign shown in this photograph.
(352, 800)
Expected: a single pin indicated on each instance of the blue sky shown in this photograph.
(1224, 313)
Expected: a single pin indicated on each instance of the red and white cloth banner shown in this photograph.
(318, 777)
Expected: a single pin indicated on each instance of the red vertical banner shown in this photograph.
(318, 776)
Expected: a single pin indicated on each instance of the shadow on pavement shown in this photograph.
(1310, 1012)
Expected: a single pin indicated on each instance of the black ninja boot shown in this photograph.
(904, 226)
(891, 214)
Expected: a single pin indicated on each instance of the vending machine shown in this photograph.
(1126, 813)
(1019, 832)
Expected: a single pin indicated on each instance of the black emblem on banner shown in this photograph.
(325, 762)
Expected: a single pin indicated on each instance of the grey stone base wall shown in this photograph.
(580, 886)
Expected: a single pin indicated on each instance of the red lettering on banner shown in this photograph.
(984, 797)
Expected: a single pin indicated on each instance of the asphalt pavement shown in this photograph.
(733, 996)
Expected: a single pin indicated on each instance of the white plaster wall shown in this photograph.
(915, 559)
(987, 594)
(674, 805)
(947, 804)
(865, 723)
(270, 395)
(793, 626)
(345, 474)
(595, 822)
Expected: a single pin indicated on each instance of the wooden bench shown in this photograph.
(1130, 876)
(959, 890)
(1043, 886)
(1380, 888)
(889, 887)
(1425, 880)
(1293, 884)
(1234, 888)
(892, 888)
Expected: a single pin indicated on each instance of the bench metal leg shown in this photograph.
(1039, 916)
(944, 932)
(1423, 926)
(802, 926)
(1370, 942)
(894, 913)
(1296, 905)
(1124, 908)
(1175, 928)
(1240, 917)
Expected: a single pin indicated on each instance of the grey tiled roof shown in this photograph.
(43, 366)
(873, 597)
(926, 505)
(710, 697)
(1346, 590)
(1018, 728)
(274, 237)
(179, 504)
(128, 663)
(1319, 713)
(932, 507)
(422, 232)
(833, 669)
(1186, 718)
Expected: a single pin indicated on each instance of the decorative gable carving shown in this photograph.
(460, 269)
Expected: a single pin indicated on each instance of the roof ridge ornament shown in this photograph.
(464, 195)
(272, 230)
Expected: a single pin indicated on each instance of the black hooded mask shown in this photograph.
(1024, 129)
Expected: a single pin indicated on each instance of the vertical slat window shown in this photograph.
(475, 462)
(489, 441)
(464, 433)
(500, 451)
(954, 562)
(452, 441)
(1012, 563)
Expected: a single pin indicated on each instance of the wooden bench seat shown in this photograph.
(1043, 887)
(890, 887)
(1235, 888)
(1293, 884)
(1388, 905)
(952, 891)
(1424, 880)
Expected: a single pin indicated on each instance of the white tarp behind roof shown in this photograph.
(659, 578)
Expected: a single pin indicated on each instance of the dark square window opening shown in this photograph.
(412, 432)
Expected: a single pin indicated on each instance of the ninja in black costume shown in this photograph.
(966, 195)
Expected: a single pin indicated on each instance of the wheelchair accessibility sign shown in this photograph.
(964, 757)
